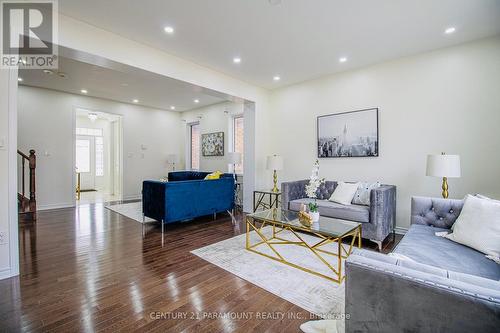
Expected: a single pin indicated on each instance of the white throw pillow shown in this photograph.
(344, 192)
(478, 225)
(362, 195)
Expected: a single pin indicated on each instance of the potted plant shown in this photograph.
(312, 189)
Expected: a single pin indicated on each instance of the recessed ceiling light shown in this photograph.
(172, 107)
(48, 71)
(62, 74)
(83, 91)
(20, 79)
(450, 30)
(343, 59)
(276, 78)
(197, 101)
(169, 30)
(124, 84)
(135, 100)
(237, 60)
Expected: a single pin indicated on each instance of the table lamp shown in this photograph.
(172, 159)
(234, 158)
(275, 163)
(446, 166)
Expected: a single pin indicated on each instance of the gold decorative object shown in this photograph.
(305, 218)
(275, 163)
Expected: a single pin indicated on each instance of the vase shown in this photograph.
(314, 216)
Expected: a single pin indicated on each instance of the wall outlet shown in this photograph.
(2, 238)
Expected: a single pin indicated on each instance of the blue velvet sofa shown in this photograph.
(377, 220)
(187, 195)
(428, 284)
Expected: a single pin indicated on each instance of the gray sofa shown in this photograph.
(430, 284)
(377, 220)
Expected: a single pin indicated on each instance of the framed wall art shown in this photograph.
(348, 134)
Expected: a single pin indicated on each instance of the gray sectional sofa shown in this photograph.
(377, 220)
(430, 284)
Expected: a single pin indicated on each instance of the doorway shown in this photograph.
(98, 162)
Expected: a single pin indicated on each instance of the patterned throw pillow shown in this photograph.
(362, 196)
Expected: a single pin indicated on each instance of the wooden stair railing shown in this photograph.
(28, 205)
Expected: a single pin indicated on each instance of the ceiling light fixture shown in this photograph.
(48, 71)
(83, 91)
(135, 100)
(169, 30)
(276, 78)
(237, 60)
(19, 79)
(343, 59)
(93, 117)
(450, 30)
(172, 107)
(197, 101)
(62, 74)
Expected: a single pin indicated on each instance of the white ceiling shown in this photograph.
(297, 39)
(123, 86)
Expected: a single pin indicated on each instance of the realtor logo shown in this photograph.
(29, 33)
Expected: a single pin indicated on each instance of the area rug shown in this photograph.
(310, 292)
(132, 210)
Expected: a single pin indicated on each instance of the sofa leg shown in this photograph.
(162, 233)
(379, 244)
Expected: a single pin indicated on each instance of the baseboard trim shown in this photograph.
(132, 197)
(6, 273)
(400, 230)
(55, 206)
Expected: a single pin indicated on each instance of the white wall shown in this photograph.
(9, 262)
(214, 118)
(46, 124)
(447, 100)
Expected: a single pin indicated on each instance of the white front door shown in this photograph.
(85, 161)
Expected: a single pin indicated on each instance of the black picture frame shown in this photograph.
(336, 149)
(216, 138)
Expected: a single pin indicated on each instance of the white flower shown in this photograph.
(314, 181)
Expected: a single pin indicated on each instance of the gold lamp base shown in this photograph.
(445, 188)
(275, 181)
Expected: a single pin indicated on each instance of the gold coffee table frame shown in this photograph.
(278, 227)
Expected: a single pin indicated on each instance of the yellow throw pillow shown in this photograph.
(214, 175)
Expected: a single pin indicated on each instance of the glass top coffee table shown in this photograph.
(327, 230)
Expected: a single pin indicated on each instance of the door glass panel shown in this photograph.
(99, 156)
(82, 155)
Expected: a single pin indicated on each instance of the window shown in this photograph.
(82, 155)
(194, 131)
(238, 135)
(99, 156)
(89, 131)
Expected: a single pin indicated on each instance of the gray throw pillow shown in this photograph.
(362, 195)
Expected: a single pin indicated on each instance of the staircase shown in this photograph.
(27, 204)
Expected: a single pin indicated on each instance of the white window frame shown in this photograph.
(189, 128)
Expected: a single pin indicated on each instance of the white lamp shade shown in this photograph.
(234, 158)
(172, 158)
(443, 166)
(274, 162)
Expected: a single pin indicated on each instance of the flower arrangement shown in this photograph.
(312, 187)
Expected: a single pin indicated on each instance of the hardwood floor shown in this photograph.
(90, 269)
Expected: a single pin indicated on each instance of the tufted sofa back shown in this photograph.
(437, 212)
(326, 189)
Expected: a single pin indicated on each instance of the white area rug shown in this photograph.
(131, 210)
(310, 292)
